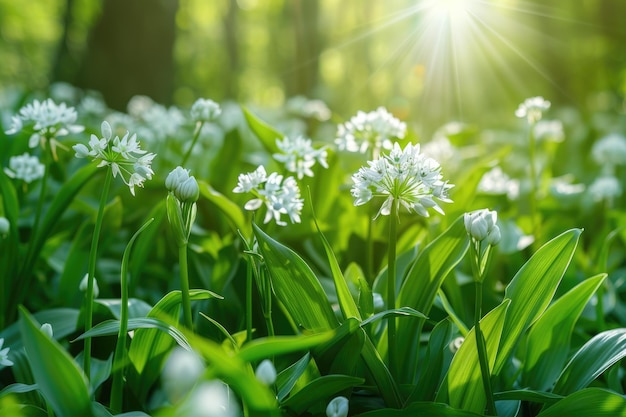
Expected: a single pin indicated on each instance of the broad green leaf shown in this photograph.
(287, 378)
(278, 345)
(62, 320)
(465, 386)
(433, 370)
(112, 327)
(532, 289)
(231, 210)
(144, 245)
(98, 410)
(75, 266)
(318, 392)
(428, 409)
(528, 395)
(346, 302)
(9, 208)
(148, 347)
(387, 387)
(58, 376)
(594, 402)
(548, 340)
(222, 170)
(18, 388)
(421, 285)
(295, 285)
(266, 134)
(136, 308)
(591, 360)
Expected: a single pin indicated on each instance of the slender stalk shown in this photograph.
(42, 195)
(196, 135)
(250, 265)
(184, 286)
(93, 254)
(482, 351)
(391, 289)
(533, 181)
(267, 311)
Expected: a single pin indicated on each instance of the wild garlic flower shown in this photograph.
(496, 181)
(47, 120)
(299, 156)
(184, 186)
(532, 109)
(605, 188)
(337, 407)
(25, 167)
(205, 110)
(308, 108)
(4, 354)
(47, 329)
(279, 196)
(124, 155)
(209, 399)
(374, 129)
(610, 150)
(181, 372)
(482, 225)
(549, 130)
(404, 177)
(85, 282)
(455, 344)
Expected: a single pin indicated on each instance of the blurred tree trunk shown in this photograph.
(130, 51)
(232, 46)
(305, 14)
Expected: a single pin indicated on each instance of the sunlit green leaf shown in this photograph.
(532, 289)
(594, 402)
(266, 134)
(396, 312)
(286, 379)
(58, 376)
(465, 386)
(591, 360)
(547, 346)
(318, 392)
(231, 210)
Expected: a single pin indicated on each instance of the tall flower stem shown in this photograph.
(391, 288)
(196, 135)
(42, 193)
(93, 254)
(480, 340)
(119, 361)
(249, 266)
(184, 285)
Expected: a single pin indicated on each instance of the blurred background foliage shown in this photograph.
(424, 64)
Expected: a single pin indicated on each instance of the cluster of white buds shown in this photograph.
(374, 129)
(299, 156)
(279, 196)
(124, 155)
(181, 202)
(481, 226)
(205, 110)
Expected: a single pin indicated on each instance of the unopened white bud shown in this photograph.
(188, 190)
(265, 372)
(337, 407)
(175, 178)
(84, 283)
(47, 329)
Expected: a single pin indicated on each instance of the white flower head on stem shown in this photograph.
(374, 129)
(4, 354)
(337, 407)
(25, 167)
(610, 150)
(280, 197)
(47, 121)
(205, 110)
(299, 156)
(404, 177)
(124, 155)
(532, 109)
(481, 225)
(266, 372)
(184, 187)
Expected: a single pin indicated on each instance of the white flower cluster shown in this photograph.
(549, 130)
(482, 225)
(25, 167)
(280, 197)
(161, 122)
(124, 156)
(404, 177)
(610, 150)
(605, 188)
(299, 156)
(184, 186)
(47, 119)
(374, 129)
(532, 109)
(205, 110)
(303, 107)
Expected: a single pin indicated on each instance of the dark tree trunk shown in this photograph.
(130, 51)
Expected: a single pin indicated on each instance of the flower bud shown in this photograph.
(107, 132)
(481, 224)
(84, 283)
(188, 190)
(5, 226)
(81, 150)
(337, 407)
(265, 372)
(455, 345)
(175, 178)
(494, 236)
(181, 371)
(47, 329)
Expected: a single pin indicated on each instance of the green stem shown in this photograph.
(267, 311)
(196, 135)
(533, 181)
(42, 195)
(250, 265)
(184, 286)
(391, 289)
(93, 254)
